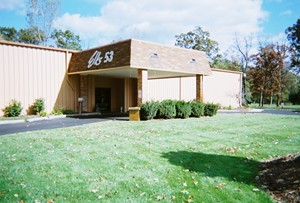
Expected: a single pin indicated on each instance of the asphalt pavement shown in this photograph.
(47, 124)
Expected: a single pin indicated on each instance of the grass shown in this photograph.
(273, 106)
(211, 159)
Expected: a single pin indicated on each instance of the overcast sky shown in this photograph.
(99, 22)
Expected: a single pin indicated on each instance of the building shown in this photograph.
(111, 77)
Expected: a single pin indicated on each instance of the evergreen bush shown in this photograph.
(149, 110)
(183, 109)
(13, 109)
(166, 109)
(39, 105)
(197, 108)
(210, 109)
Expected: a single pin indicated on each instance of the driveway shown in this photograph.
(47, 124)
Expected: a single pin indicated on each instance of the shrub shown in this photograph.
(166, 109)
(39, 105)
(57, 112)
(210, 109)
(67, 111)
(197, 108)
(43, 113)
(13, 109)
(149, 110)
(183, 109)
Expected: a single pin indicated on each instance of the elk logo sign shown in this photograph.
(97, 59)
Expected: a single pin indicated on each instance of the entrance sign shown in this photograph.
(96, 58)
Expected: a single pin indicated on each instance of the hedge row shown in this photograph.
(167, 109)
(15, 108)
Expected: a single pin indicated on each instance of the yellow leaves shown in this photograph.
(231, 149)
(195, 182)
(190, 199)
(50, 201)
(220, 185)
(161, 197)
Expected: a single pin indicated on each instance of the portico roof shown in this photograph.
(123, 59)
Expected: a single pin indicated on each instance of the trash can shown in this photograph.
(134, 113)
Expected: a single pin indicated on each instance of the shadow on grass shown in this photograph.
(213, 165)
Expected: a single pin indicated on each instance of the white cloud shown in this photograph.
(160, 21)
(11, 4)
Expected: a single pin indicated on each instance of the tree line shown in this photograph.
(62, 39)
(40, 16)
(269, 76)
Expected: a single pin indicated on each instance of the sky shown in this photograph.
(100, 22)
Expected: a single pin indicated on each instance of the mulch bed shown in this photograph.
(281, 177)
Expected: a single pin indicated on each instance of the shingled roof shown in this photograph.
(136, 54)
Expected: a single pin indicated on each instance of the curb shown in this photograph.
(11, 122)
(29, 120)
(240, 111)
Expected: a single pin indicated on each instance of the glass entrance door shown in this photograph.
(103, 99)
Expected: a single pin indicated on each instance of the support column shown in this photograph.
(142, 86)
(84, 92)
(199, 88)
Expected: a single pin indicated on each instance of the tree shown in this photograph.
(243, 47)
(268, 76)
(294, 95)
(292, 90)
(226, 64)
(293, 35)
(40, 15)
(198, 39)
(8, 34)
(30, 36)
(66, 39)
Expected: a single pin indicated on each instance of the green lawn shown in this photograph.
(273, 106)
(211, 159)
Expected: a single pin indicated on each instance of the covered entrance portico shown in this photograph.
(115, 77)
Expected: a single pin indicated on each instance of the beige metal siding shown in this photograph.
(222, 87)
(188, 88)
(28, 73)
(160, 89)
